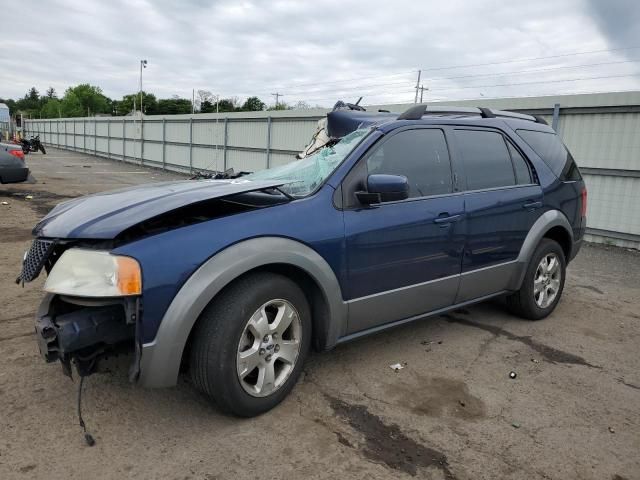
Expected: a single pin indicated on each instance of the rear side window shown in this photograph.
(550, 148)
(520, 166)
(421, 155)
(487, 163)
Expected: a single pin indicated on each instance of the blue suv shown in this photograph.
(392, 219)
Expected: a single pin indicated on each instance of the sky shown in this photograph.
(323, 50)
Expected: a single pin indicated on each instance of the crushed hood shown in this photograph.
(105, 215)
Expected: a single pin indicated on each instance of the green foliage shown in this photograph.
(51, 93)
(253, 104)
(280, 106)
(52, 108)
(207, 107)
(226, 105)
(173, 106)
(71, 105)
(91, 99)
(125, 106)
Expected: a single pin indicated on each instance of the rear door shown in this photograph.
(502, 201)
(403, 257)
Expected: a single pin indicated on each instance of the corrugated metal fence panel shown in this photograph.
(613, 203)
(292, 134)
(249, 134)
(603, 140)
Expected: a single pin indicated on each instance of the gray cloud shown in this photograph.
(306, 49)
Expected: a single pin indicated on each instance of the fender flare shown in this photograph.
(544, 223)
(161, 358)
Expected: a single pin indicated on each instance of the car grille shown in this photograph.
(35, 259)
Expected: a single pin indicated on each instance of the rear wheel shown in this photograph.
(250, 344)
(543, 282)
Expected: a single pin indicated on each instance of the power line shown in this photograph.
(535, 82)
(530, 59)
(518, 72)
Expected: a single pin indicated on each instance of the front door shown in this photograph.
(403, 257)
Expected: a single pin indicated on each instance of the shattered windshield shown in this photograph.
(303, 177)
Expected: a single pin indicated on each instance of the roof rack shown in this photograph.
(418, 111)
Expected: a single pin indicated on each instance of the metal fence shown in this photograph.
(601, 130)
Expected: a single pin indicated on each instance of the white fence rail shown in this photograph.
(601, 130)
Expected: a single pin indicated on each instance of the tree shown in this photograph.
(51, 109)
(207, 107)
(280, 106)
(173, 106)
(71, 105)
(253, 104)
(51, 93)
(226, 105)
(125, 106)
(91, 98)
(30, 104)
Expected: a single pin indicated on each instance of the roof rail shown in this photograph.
(418, 111)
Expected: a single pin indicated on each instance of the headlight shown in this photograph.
(94, 273)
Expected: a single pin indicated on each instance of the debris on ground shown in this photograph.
(5, 203)
(512, 375)
(535, 360)
(397, 366)
(612, 430)
(515, 425)
(462, 404)
(28, 197)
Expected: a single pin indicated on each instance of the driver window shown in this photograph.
(421, 155)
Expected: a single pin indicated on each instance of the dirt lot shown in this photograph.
(573, 412)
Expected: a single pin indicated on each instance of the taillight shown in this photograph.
(17, 153)
(583, 197)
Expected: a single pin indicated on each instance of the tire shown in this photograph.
(224, 333)
(44, 152)
(530, 302)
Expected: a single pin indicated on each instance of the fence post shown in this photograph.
(109, 138)
(58, 132)
(556, 117)
(74, 135)
(95, 136)
(124, 139)
(190, 144)
(84, 135)
(224, 149)
(164, 145)
(141, 138)
(269, 141)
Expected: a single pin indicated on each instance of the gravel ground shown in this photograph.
(573, 412)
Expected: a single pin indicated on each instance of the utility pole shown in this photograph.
(417, 86)
(277, 95)
(422, 89)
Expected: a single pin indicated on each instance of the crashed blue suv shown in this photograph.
(385, 220)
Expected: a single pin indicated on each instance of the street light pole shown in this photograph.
(143, 64)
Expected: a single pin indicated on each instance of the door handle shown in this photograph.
(444, 219)
(532, 205)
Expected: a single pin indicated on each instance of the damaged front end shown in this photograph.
(81, 329)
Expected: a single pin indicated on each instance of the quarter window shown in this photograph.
(487, 163)
(421, 155)
(550, 148)
(520, 166)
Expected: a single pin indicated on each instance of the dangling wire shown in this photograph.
(87, 436)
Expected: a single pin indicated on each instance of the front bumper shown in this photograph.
(80, 332)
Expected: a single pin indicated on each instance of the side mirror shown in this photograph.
(384, 188)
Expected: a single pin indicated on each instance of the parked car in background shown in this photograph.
(12, 166)
(392, 219)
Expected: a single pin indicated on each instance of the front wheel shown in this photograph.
(41, 147)
(543, 283)
(250, 344)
